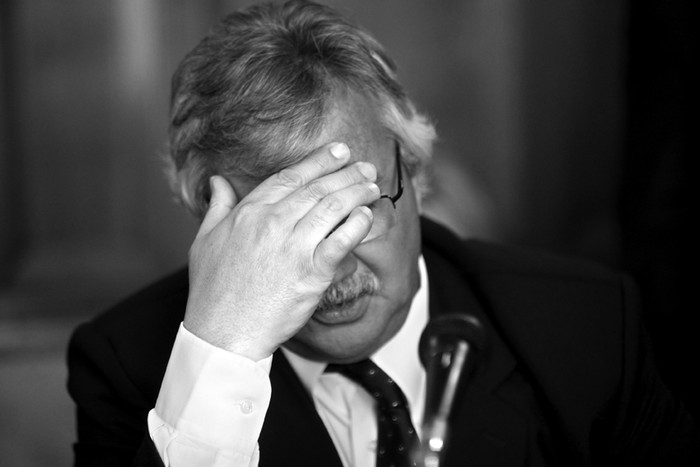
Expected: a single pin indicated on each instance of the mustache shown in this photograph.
(345, 292)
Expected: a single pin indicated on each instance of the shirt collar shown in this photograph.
(404, 368)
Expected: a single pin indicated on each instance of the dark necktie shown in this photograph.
(397, 441)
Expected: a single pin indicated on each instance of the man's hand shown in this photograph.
(259, 267)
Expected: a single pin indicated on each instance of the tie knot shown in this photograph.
(375, 381)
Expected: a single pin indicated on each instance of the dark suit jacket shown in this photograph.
(566, 377)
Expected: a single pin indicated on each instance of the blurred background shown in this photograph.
(563, 126)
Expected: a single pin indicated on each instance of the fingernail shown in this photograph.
(340, 150)
(373, 187)
(367, 170)
(367, 211)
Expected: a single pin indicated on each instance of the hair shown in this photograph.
(262, 80)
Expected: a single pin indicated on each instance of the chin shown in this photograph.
(338, 351)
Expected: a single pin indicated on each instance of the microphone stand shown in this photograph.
(435, 427)
(446, 348)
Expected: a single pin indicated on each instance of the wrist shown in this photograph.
(238, 343)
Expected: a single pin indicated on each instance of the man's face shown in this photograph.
(374, 286)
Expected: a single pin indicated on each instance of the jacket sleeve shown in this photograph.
(111, 411)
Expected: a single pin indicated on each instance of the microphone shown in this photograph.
(447, 351)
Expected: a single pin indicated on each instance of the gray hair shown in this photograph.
(262, 80)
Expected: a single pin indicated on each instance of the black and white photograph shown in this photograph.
(360, 233)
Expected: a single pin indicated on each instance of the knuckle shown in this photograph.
(318, 221)
(275, 221)
(245, 210)
(343, 240)
(333, 203)
(289, 177)
(316, 190)
(326, 256)
(323, 163)
(260, 219)
(322, 258)
(247, 214)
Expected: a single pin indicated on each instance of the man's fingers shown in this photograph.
(318, 189)
(223, 200)
(323, 161)
(341, 190)
(331, 251)
(333, 209)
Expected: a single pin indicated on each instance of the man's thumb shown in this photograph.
(223, 200)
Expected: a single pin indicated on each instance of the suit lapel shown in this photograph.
(293, 432)
(487, 428)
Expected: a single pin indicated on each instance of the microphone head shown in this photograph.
(448, 349)
(443, 333)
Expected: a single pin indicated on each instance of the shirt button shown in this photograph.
(246, 406)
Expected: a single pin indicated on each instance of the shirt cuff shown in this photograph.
(214, 396)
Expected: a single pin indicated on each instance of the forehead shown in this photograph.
(354, 119)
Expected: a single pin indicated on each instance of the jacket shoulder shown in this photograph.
(160, 302)
(483, 258)
(137, 332)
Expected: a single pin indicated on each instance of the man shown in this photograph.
(294, 142)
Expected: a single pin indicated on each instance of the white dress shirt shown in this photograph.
(212, 403)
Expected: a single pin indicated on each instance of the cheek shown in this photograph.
(408, 228)
(393, 258)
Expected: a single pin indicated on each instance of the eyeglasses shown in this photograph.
(399, 178)
(385, 218)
